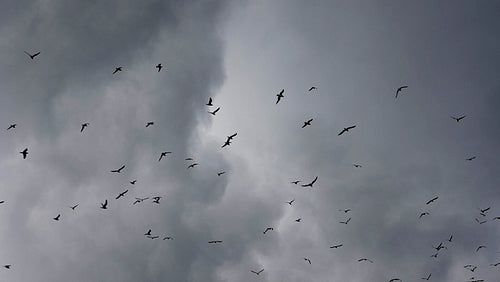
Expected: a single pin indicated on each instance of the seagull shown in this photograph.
(149, 123)
(117, 69)
(485, 210)
(74, 207)
(395, 279)
(428, 277)
(133, 182)
(440, 246)
(57, 217)
(336, 246)
(365, 259)
(434, 255)
(32, 56)
(268, 229)
(357, 165)
(298, 219)
(451, 237)
(346, 129)
(12, 126)
(308, 260)
(168, 238)
(227, 143)
(83, 126)
(153, 237)
(458, 118)
(306, 123)
(345, 222)
(156, 199)
(290, 203)
(431, 200)
(230, 137)
(215, 241)
(480, 247)
(312, 88)
(346, 211)
(214, 112)
(104, 205)
(2, 201)
(209, 102)
(139, 200)
(121, 194)
(148, 233)
(257, 272)
(164, 154)
(159, 66)
(7, 266)
(472, 279)
(422, 214)
(220, 173)
(280, 95)
(295, 182)
(188, 159)
(24, 152)
(497, 217)
(192, 165)
(480, 222)
(470, 267)
(495, 264)
(310, 184)
(399, 89)
(471, 158)
(118, 170)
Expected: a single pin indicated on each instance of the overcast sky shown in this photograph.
(242, 53)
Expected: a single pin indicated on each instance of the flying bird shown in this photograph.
(310, 184)
(395, 279)
(298, 219)
(215, 241)
(118, 170)
(471, 158)
(495, 264)
(159, 66)
(434, 255)
(431, 200)
(480, 222)
(168, 238)
(308, 260)
(422, 214)
(346, 129)
(480, 247)
(148, 233)
(268, 229)
(230, 137)
(121, 194)
(149, 123)
(12, 126)
(153, 237)
(345, 222)
(290, 203)
(57, 217)
(257, 272)
(214, 112)
(458, 118)
(399, 89)
(139, 200)
(346, 211)
(156, 199)
(485, 210)
(209, 102)
(220, 173)
(7, 266)
(497, 217)
(24, 152)
(336, 246)
(83, 126)
(428, 277)
(312, 88)
(227, 143)
(188, 159)
(470, 267)
(449, 239)
(357, 165)
(74, 207)
(280, 95)
(306, 123)
(104, 205)
(133, 182)
(192, 165)
(1, 202)
(32, 56)
(117, 69)
(164, 154)
(295, 182)
(365, 259)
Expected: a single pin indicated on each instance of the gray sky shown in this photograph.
(242, 53)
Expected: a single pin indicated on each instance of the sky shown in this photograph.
(241, 54)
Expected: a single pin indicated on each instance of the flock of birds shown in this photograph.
(280, 96)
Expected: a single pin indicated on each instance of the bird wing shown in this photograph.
(351, 127)
(341, 132)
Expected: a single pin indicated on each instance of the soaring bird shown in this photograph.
(495, 264)
(470, 267)
(310, 184)
(473, 279)
(268, 229)
(83, 126)
(471, 158)
(164, 154)
(306, 123)
(12, 126)
(215, 241)
(422, 214)
(298, 219)
(188, 159)
(485, 210)
(395, 279)
(290, 203)
(480, 247)
(336, 246)
(346, 129)
(133, 182)
(24, 152)
(192, 165)
(257, 272)
(7, 266)
(365, 259)
(440, 246)
(357, 165)
(215, 111)
(449, 239)
(74, 207)
(458, 118)
(104, 205)
(428, 277)
(168, 238)
(159, 66)
(220, 173)
(399, 89)
(153, 237)
(435, 255)
(57, 217)
(345, 222)
(346, 211)
(156, 199)
(118, 170)
(431, 200)
(209, 102)
(479, 221)
(295, 182)
(308, 260)
(32, 56)
(280, 95)
(227, 143)
(2, 201)
(148, 233)
(149, 123)
(117, 69)
(121, 194)
(230, 137)
(496, 217)
(139, 200)
(312, 88)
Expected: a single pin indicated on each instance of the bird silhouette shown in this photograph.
(345, 222)
(268, 229)
(156, 199)
(306, 123)
(74, 207)
(496, 217)
(164, 154)
(422, 214)
(346, 129)
(428, 277)
(12, 126)
(312, 88)
(395, 279)
(280, 95)
(149, 123)
(485, 210)
(117, 69)
(121, 194)
(83, 126)
(209, 102)
(227, 143)
(104, 205)
(215, 241)
(470, 267)
(290, 203)
(159, 66)
(480, 247)
(295, 182)
(133, 182)
(139, 200)
(7, 266)
(479, 221)
(153, 237)
(434, 255)
(168, 238)
(57, 217)
(192, 165)
(346, 210)
(2, 201)
(32, 56)
(365, 259)
(473, 279)
(432, 200)
(215, 111)
(24, 152)
(357, 165)
(257, 272)
(118, 170)
(308, 260)
(148, 233)
(188, 159)
(230, 137)
(449, 239)
(471, 158)
(336, 246)
(458, 118)
(311, 183)
(495, 264)
(399, 89)
(220, 173)
(298, 219)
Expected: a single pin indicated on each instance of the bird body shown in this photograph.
(24, 153)
(32, 56)
(118, 170)
(121, 194)
(257, 272)
(346, 129)
(209, 102)
(312, 88)
(159, 66)
(117, 69)
(268, 229)
(215, 111)
(280, 95)
(290, 203)
(311, 183)
(164, 154)
(336, 246)
(192, 165)
(57, 217)
(400, 89)
(306, 123)
(346, 222)
(83, 126)
(149, 123)
(432, 200)
(215, 241)
(104, 205)
(12, 126)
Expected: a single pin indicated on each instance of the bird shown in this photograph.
(74, 207)
(290, 203)
(104, 205)
(133, 182)
(159, 66)
(310, 184)
(268, 229)
(422, 214)
(156, 199)
(12, 126)
(480, 222)
(280, 95)
(148, 233)
(164, 154)
(497, 217)
(121, 194)
(24, 152)
(192, 165)
(215, 241)
(298, 219)
(7, 266)
(257, 272)
(449, 239)
(346, 222)
(118, 170)
(346, 210)
(83, 126)
(395, 279)
(431, 200)
(139, 200)
(220, 173)
(440, 246)
(472, 279)
(312, 88)
(471, 158)
(168, 238)
(57, 217)
(458, 118)
(149, 123)
(215, 111)
(117, 69)
(357, 165)
(336, 246)
(188, 159)
(346, 129)
(1, 202)
(365, 259)
(399, 89)
(209, 102)
(470, 267)
(485, 210)
(295, 182)
(153, 237)
(480, 247)
(306, 123)
(227, 143)
(32, 56)
(230, 137)
(428, 277)
(434, 255)
(495, 264)
(308, 260)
